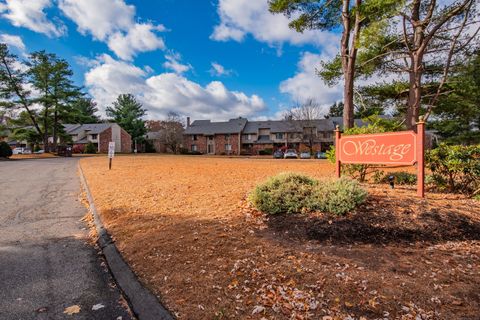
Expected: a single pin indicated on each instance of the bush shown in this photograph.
(90, 148)
(5, 150)
(149, 147)
(78, 148)
(400, 177)
(284, 193)
(295, 193)
(338, 196)
(265, 152)
(455, 168)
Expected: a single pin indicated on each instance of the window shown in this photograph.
(94, 136)
(228, 147)
(194, 137)
(249, 137)
(279, 136)
(227, 136)
(194, 147)
(210, 138)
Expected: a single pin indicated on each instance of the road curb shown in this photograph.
(144, 303)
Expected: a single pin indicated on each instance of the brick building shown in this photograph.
(100, 134)
(237, 136)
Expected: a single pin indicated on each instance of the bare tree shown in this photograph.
(170, 131)
(303, 118)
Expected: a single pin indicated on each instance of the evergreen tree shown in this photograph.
(128, 113)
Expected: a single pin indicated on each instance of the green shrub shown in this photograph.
(338, 196)
(455, 168)
(284, 193)
(5, 150)
(265, 152)
(296, 193)
(90, 148)
(401, 177)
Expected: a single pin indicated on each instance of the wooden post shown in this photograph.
(421, 157)
(337, 152)
(110, 164)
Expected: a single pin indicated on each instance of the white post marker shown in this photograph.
(111, 153)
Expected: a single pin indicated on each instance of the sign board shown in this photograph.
(387, 148)
(111, 149)
(398, 148)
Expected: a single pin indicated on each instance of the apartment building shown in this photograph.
(100, 134)
(240, 136)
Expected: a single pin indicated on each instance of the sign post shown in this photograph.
(421, 158)
(397, 148)
(111, 154)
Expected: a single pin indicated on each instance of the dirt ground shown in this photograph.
(185, 227)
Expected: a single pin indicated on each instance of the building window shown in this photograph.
(227, 136)
(279, 136)
(94, 136)
(228, 147)
(210, 138)
(194, 137)
(194, 147)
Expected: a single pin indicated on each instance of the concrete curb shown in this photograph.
(143, 303)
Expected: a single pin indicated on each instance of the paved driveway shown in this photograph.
(46, 264)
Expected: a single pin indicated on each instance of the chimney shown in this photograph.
(188, 122)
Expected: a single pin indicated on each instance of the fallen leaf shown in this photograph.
(98, 307)
(72, 310)
(258, 309)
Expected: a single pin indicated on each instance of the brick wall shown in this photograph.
(103, 139)
(201, 143)
(257, 147)
(126, 141)
(221, 140)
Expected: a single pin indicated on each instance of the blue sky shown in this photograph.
(204, 59)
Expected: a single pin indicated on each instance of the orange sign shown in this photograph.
(400, 148)
(386, 148)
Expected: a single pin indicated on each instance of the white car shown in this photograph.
(290, 154)
(17, 150)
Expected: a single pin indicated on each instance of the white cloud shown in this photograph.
(168, 92)
(173, 63)
(241, 17)
(306, 84)
(113, 22)
(13, 41)
(30, 14)
(219, 70)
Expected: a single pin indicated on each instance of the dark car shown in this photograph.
(278, 154)
(320, 155)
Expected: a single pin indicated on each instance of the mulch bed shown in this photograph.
(185, 227)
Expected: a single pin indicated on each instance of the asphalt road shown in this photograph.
(46, 263)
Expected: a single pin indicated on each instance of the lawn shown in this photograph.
(185, 227)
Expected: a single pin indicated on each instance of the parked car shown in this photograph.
(40, 151)
(278, 154)
(27, 151)
(290, 154)
(17, 150)
(305, 155)
(320, 155)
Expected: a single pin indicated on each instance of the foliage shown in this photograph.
(296, 193)
(455, 168)
(128, 113)
(457, 114)
(266, 152)
(83, 110)
(149, 147)
(90, 148)
(335, 110)
(5, 150)
(284, 193)
(338, 196)
(400, 177)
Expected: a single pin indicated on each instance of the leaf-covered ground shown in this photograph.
(185, 227)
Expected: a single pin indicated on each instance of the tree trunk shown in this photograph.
(414, 96)
(45, 131)
(348, 114)
(55, 131)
